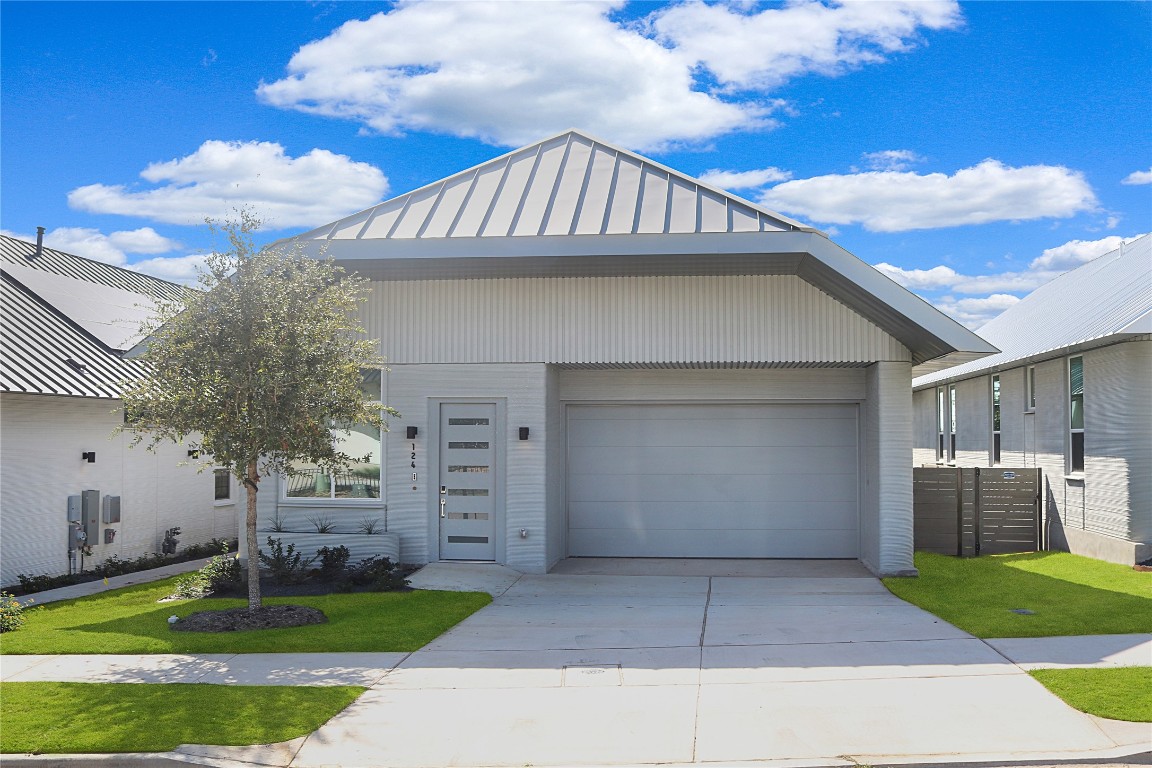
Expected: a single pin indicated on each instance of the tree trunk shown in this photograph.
(251, 483)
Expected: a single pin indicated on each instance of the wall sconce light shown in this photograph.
(412, 433)
(194, 453)
(88, 456)
(523, 433)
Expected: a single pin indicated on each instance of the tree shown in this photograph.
(264, 364)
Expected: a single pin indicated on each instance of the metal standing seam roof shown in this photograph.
(65, 320)
(570, 184)
(20, 252)
(45, 353)
(1107, 299)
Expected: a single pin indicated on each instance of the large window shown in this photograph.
(995, 419)
(361, 480)
(941, 424)
(1076, 413)
(1030, 388)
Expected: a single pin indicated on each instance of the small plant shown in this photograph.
(168, 545)
(322, 524)
(333, 561)
(285, 565)
(277, 524)
(369, 526)
(11, 613)
(218, 574)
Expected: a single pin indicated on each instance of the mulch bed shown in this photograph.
(242, 619)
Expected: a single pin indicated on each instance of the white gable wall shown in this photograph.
(42, 439)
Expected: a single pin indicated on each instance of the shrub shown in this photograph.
(11, 613)
(286, 566)
(220, 573)
(44, 581)
(333, 561)
(207, 549)
(376, 573)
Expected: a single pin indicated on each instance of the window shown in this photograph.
(223, 484)
(941, 423)
(995, 420)
(952, 422)
(1030, 388)
(1076, 413)
(361, 480)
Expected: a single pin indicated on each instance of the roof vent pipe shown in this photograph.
(39, 242)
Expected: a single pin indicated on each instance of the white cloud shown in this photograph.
(892, 201)
(743, 179)
(94, 244)
(1138, 177)
(176, 269)
(746, 49)
(1001, 290)
(1076, 252)
(975, 313)
(511, 73)
(221, 176)
(891, 160)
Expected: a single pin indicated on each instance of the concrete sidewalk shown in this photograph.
(89, 588)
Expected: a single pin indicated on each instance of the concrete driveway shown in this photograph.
(642, 662)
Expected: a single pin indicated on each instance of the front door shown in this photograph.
(467, 481)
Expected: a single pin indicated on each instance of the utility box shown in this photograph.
(76, 537)
(110, 509)
(90, 514)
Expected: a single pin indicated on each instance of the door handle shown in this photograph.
(443, 506)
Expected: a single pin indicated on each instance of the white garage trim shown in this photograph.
(713, 480)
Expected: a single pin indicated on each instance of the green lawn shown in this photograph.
(1118, 694)
(130, 717)
(1067, 594)
(130, 620)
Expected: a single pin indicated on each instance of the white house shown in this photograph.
(66, 321)
(1071, 393)
(595, 355)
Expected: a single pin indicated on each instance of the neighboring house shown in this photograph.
(66, 321)
(1071, 393)
(595, 355)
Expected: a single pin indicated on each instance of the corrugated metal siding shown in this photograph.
(35, 344)
(974, 422)
(622, 320)
(1094, 301)
(886, 454)
(843, 385)
(924, 427)
(15, 251)
(41, 439)
(569, 184)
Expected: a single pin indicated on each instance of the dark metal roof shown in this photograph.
(14, 251)
(45, 353)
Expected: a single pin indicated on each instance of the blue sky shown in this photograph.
(973, 150)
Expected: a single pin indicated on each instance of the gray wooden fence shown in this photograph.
(969, 511)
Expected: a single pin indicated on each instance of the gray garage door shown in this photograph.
(712, 481)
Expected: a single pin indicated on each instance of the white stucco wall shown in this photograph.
(41, 439)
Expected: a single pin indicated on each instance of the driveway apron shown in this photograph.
(601, 669)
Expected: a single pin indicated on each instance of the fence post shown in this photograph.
(978, 526)
(959, 514)
(1041, 513)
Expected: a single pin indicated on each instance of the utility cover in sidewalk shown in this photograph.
(590, 675)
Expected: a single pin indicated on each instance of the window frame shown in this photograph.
(1075, 463)
(941, 423)
(1030, 389)
(952, 423)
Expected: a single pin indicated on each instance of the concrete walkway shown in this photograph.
(633, 663)
(89, 588)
